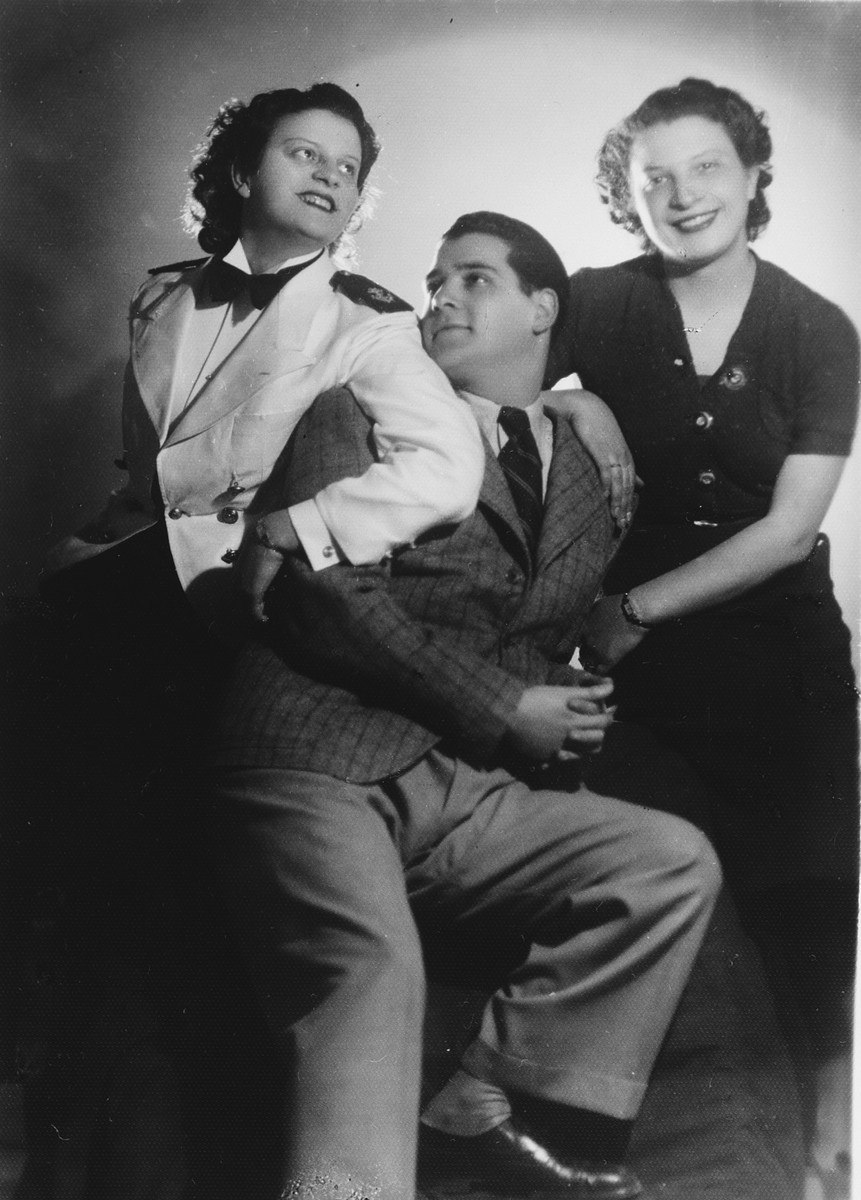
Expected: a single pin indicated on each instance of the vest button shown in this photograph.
(704, 420)
(706, 478)
(174, 513)
(228, 516)
(230, 556)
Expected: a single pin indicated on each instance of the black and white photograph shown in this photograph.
(430, 599)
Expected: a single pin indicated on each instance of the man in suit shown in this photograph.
(228, 351)
(401, 751)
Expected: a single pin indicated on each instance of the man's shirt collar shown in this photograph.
(487, 415)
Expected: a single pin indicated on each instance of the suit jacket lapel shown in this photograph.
(496, 496)
(158, 323)
(571, 491)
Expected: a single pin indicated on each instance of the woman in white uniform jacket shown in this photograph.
(216, 385)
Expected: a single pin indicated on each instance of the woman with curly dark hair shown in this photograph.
(230, 350)
(235, 144)
(735, 387)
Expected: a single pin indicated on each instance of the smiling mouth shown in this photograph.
(318, 200)
(695, 223)
(449, 329)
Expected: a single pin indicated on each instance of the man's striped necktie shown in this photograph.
(521, 463)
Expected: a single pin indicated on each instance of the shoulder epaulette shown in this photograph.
(364, 291)
(179, 266)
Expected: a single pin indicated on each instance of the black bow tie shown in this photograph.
(225, 281)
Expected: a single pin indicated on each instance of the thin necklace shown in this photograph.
(700, 328)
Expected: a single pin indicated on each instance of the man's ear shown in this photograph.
(240, 182)
(546, 304)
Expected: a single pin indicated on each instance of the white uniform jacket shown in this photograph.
(209, 461)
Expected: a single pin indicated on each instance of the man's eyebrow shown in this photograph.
(478, 264)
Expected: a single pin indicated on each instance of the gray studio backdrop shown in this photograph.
(478, 104)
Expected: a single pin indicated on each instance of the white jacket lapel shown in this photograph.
(158, 319)
(277, 344)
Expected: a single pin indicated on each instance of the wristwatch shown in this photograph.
(630, 613)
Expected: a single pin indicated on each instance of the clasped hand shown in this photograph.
(561, 724)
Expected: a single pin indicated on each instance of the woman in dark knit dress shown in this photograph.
(735, 387)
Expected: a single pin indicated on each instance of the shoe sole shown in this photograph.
(481, 1187)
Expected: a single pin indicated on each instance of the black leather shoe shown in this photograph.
(507, 1159)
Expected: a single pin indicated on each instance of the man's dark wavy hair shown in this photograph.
(744, 124)
(236, 141)
(530, 256)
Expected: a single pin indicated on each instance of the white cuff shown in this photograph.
(312, 531)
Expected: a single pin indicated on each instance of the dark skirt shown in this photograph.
(759, 695)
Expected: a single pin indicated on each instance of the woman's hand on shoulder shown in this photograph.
(599, 432)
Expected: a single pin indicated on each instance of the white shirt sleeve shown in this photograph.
(431, 458)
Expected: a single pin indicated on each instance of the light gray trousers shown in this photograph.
(329, 883)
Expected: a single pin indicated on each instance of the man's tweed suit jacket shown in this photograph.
(360, 671)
